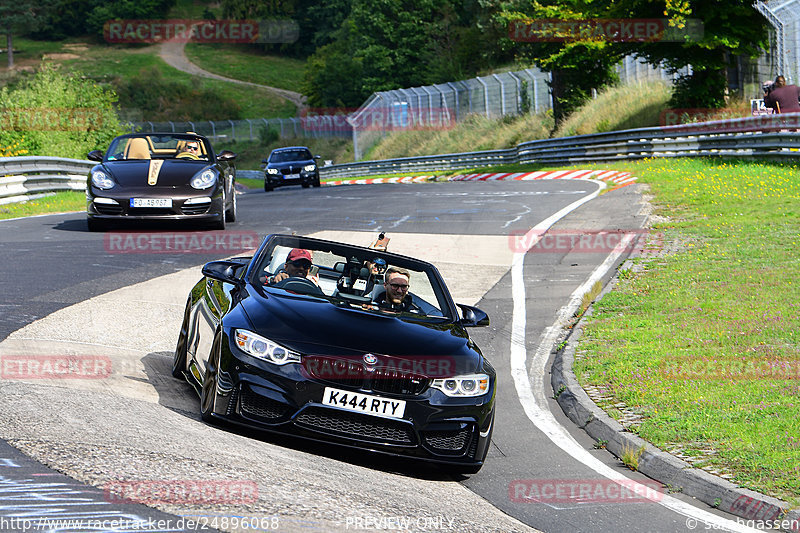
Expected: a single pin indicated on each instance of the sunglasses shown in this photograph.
(192, 146)
(301, 263)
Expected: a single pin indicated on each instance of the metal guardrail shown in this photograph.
(764, 136)
(28, 177)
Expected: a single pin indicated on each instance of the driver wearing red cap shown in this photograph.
(298, 264)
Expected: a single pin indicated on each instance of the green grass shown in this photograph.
(243, 62)
(695, 340)
(474, 133)
(109, 62)
(636, 105)
(61, 202)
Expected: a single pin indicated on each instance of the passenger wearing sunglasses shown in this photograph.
(397, 297)
(298, 264)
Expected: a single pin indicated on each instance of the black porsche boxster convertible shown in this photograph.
(161, 176)
(302, 339)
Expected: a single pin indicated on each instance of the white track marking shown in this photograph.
(530, 388)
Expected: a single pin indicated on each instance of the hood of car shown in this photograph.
(173, 173)
(318, 327)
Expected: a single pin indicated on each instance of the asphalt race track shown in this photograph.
(116, 300)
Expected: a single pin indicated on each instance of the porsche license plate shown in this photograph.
(151, 202)
(364, 403)
(291, 176)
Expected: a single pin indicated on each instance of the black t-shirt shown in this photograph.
(406, 306)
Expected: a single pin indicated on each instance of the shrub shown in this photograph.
(57, 114)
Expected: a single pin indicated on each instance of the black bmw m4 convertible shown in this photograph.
(341, 344)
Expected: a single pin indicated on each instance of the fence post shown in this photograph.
(213, 130)
(455, 96)
(502, 95)
(485, 96)
(251, 128)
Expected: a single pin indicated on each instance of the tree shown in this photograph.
(728, 29)
(20, 16)
(577, 64)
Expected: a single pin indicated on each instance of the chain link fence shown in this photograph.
(251, 129)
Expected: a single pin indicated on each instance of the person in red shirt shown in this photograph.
(783, 98)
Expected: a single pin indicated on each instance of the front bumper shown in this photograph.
(278, 180)
(108, 208)
(286, 399)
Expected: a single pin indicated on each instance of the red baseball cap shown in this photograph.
(299, 253)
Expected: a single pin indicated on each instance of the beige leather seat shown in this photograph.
(137, 149)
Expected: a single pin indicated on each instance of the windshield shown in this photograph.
(355, 277)
(159, 146)
(286, 156)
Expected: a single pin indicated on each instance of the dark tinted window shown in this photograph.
(290, 155)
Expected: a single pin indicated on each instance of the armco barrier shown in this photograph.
(23, 178)
(764, 136)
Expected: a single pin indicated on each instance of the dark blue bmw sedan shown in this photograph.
(293, 165)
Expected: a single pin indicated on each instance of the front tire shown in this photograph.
(182, 349)
(208, 392)
(219, 224)
(267, 186)
(317, 182)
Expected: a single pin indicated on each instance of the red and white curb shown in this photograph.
(619, 179)
(370, 181)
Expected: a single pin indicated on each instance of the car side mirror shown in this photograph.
(95, 155)
(472, 316)
(226, 155)
(224, 271)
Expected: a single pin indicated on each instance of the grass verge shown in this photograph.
(243, 62)
(60, 202)
(703, 340)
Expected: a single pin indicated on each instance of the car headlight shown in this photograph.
(204, 180)
(265, 349)
(463, 386)
(101, 180)
(272, 171)
(310, 168)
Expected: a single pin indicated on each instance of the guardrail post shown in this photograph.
(213, 130)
